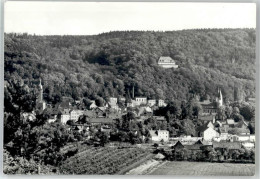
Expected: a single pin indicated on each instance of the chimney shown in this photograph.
(133, 92)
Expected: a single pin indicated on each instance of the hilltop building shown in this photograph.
(167, 62)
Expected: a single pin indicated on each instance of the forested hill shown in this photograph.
(110, 64)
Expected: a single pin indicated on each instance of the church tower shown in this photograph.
(220, 100)
(40, 95)
(40, 103)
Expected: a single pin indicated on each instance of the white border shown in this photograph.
(129, 176)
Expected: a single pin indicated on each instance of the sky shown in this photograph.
(89, 18)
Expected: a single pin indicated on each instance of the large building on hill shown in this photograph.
(167, 62)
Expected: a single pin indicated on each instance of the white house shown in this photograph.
(248, 145)
(151, 102)
(159, 135)
(64, 118)
(167, 62)
(112, 100)
(208, 133)
(74, 114)
(140, 100)
(161, 103)
(242, 138)
(223, 133)
(93, 105)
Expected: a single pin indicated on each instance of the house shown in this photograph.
(207, 133)
(207, 118)
(89, 113)
(242, 138)
(161, 103)
(226, 146)
(131, 103)
(242, 131)
(144, 111)
(100, 121)
(112, 100)
(53, 118)
(231, 122)
(241, 124)
(74, 114)
(178, 146)
(159, 135)
(249, 145)
(100, 111)
(167, 62)
(93, 105)
(208, 107)
(112, 103)
(151, 102)
(65, 105)
(64, 116)
(140, 100)
(223, 133)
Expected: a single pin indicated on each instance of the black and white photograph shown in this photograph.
(129, 88)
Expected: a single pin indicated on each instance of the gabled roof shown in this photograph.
(228, 145)
(202, 128)
(100, 120)
(242, 130)
(166, 60)
(230, 121)
(178, 143)
(65, 111)
(153, 133)
(240, 123)
(206, 117)
(223, 130)
(205, 102)
(193, 147)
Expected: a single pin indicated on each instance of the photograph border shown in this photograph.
(118, 176)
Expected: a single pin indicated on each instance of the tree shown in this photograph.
(212, 155)
(248, 112)
(83, 119)
(99, 102)
(101, 138)
(238, 117)
(70, 122)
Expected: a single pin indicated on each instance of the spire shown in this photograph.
(40, 84)
(40, 91)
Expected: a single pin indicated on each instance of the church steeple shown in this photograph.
(40, 97)
(220, 97)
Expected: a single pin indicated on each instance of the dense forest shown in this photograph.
(111, 64)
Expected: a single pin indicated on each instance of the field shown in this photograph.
(203, 168)
(102, 160)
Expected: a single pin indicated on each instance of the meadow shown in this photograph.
(203, 168)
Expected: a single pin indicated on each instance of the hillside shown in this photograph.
(110, 64)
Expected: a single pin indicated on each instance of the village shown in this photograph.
(214, 132)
